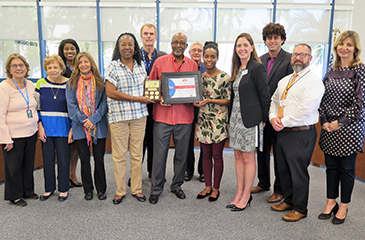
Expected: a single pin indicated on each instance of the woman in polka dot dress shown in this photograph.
(343, 123)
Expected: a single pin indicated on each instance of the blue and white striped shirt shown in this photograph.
(131, 83)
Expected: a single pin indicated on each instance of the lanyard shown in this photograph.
(69, 67)
(26, 90)
(144, 59)
(296, 80)
(172, 61)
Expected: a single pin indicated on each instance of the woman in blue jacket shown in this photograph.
(87, 108)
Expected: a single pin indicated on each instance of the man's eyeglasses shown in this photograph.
(177, 43)
(301, 55)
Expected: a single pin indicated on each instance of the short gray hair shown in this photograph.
(195, 43)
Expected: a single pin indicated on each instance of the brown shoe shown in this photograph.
(258, 189)
(294, 216)
(281, 207)
(275, 197)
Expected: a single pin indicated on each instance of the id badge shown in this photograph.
(282, 103)
(29, 113)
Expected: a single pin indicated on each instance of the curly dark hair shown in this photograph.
(274, 28)
(211, 44)
(62, 45)
(137, 50)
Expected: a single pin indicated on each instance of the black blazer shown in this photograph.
(254, 95)
(281, 68)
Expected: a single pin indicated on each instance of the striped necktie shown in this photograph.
(284, 95)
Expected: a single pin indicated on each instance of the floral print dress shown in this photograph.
(212, 124)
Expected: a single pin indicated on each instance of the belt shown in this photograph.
(296, 129)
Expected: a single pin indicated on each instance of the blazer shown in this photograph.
(282, 67)
(99, 117)
(254, 95)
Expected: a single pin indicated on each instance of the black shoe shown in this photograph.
(141, 199)
(325, 216)
(188, 177)
(237, 209)
(73, 184)
(101, 196)
(337, 221)
(88, 196)
(153, 198)
(32, 196)
(62, 198)
(19, 203)
(179, 193)
(230, 205)
(118, 200)
(201, 178)
(45, 197)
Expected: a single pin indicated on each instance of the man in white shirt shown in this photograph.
(293, 113)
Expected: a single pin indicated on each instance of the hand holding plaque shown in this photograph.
(152, 90)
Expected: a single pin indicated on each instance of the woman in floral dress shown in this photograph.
(213, 120)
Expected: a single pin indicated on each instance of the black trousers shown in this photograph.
(294, 151)
(99, 169)
(263, 161)
(63, 151)
(19, 167)
(340, 170)
(190, 165)
(148, 138)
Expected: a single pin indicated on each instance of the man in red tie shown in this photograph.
(293, 113)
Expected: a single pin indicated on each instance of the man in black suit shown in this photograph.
(277, 63)
(149, 55)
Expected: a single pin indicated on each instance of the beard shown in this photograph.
(299, 66)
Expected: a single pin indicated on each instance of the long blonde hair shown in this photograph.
(356, 39)
(75, 76)
(236, 61)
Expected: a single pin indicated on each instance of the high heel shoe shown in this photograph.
(237, 209)
(337, 221)
(325, 216)
(75, 184)
(230, 205)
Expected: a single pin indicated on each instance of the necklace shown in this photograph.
(55, 95)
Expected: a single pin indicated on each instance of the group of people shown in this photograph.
(268, 102)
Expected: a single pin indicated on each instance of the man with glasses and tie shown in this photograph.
(293, 113)
(173, 119)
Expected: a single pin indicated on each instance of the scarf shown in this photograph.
(85, 95)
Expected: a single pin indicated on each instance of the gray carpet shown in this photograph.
(173, 218)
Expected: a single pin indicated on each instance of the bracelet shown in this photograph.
(132, 99)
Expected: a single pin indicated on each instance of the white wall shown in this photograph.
(358, 21)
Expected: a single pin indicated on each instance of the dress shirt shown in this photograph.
(302, 101)
(176, 113)
(270, 63)
(202, 68)
(128, 82)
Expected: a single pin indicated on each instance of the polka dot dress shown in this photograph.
(338, 101)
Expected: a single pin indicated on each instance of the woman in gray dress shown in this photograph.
(250, 100)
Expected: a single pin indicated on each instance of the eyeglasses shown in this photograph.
(196, 50)
(17, 65)
(301, 55)
(177, 43)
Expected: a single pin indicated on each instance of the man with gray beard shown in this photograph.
(293, 114)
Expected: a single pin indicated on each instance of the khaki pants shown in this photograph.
(124, 135)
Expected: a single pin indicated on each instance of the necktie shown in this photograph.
(284, 95)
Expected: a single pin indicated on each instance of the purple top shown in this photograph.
(270, 63)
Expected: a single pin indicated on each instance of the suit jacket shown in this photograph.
(281, 68)
(254, 95)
